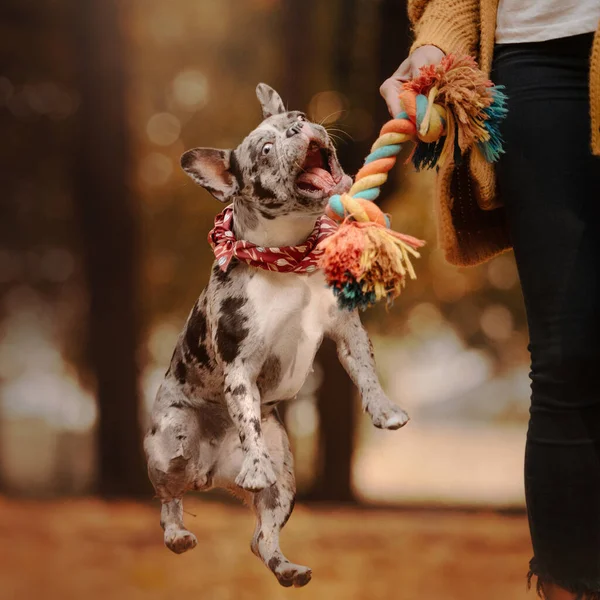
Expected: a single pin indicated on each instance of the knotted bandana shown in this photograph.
(287, 259)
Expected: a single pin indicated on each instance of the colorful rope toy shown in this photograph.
(449, 108)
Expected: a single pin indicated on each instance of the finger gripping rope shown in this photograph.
(449, 107)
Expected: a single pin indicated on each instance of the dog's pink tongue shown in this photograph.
(317, 177)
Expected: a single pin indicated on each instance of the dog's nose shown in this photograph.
(294, 129)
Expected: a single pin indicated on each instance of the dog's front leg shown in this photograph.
(356, 355)
(243, 402)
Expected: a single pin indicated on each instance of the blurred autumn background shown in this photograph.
(103, 252)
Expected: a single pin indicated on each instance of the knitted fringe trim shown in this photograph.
(584, 590)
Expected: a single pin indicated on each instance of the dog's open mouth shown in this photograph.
(318, 174)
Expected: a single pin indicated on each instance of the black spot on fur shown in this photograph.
(153, 430)
(273, 205)
(266, 215)
(256, 425)
(213, 424)
(289, 512)
(294, 114)
(195, 334)
(274, 563)
(371, 352)
(272, 497)
(240, 390)
(260, 191)
(202, 355)
(176, 404)
(253, 153)
(180, 371)
(270, 374)
(220, 275)
(223, 276)
(231, 330)
(235, 170)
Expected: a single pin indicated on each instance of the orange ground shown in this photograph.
(88, 549)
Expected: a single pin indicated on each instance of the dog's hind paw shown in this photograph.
(179, 540)
(256, 474)
(289, 574)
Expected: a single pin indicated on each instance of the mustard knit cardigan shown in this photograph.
(471, 223)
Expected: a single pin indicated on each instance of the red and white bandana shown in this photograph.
(287, 259)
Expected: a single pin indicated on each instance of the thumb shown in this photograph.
(391, 87)
(390, 90)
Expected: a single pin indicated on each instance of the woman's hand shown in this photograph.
(391, 87)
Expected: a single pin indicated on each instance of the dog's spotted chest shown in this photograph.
(293, 313)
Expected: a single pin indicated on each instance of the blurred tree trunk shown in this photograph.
(394, 42)
(335, 403)
(337, 419)
(109, 231)
(298, 37)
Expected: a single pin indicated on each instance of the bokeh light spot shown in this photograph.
(502, 273)
(424, 317)
(161, 341)
(302, 417)
(155, 169)
(497, 322)
(165, 25)
(450, 286)
(163, 129)
(327, 107)
(190, 89)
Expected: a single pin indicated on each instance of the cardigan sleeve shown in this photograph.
(451, 25)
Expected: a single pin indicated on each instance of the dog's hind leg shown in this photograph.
(273, 507)
(172, 447)
(177, 538)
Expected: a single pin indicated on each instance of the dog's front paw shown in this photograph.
(256, 474)
(387, 415)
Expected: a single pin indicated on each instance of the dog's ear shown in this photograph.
(270, 100)
(210, 168)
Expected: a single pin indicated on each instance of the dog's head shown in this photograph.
(286, 165)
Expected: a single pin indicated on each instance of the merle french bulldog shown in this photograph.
(250, 340)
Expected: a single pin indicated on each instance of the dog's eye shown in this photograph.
(301, 118)
(267, 148)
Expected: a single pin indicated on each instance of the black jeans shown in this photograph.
(550, 184)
